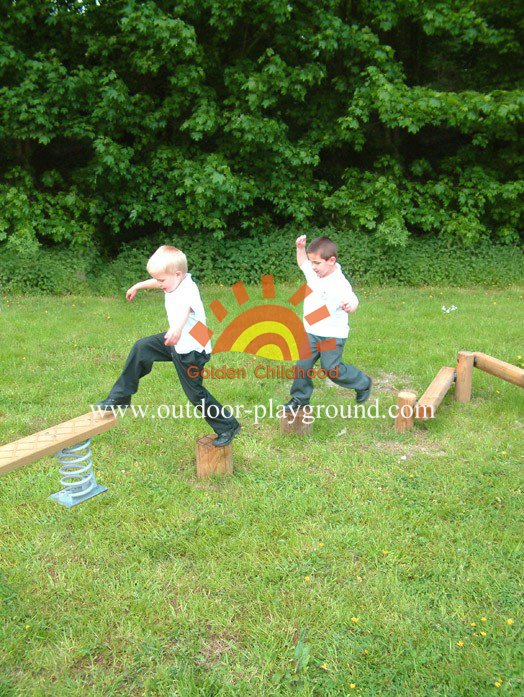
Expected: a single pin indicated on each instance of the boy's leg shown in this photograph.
(348, 375)
(139, 362)
(302, 386)
(195, 391)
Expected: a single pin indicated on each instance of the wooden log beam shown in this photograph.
(405, 411)
(463, 385)
(433, 396)
(501, 369)
(25, 450)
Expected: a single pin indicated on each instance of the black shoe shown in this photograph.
(226, 437)
(293, 405)
(109, 402)
(363, 395)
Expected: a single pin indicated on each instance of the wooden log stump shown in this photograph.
(405, 411)
(294, 423)
(211, 460)
(463, 384)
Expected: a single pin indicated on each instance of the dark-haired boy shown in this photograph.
(331, 288)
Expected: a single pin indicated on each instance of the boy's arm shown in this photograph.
(300, 244)
(175, 328)
(150, 283)
(350, 302)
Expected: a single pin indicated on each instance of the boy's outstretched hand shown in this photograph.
(300, 242)
(131, 293)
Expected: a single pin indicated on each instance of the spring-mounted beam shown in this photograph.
(78, 478)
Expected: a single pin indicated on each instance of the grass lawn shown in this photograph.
(352, 562)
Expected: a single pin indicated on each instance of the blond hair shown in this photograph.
(167, 259)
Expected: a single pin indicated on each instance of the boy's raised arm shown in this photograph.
(300, 244)
(150, 283)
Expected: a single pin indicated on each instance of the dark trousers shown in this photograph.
(151, 349)
(348, 375)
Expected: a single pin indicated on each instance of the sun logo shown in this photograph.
(270, 331)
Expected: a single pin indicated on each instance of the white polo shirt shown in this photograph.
(185, 295)
(332, 291)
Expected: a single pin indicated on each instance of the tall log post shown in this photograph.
(405, 416)
(464, 381)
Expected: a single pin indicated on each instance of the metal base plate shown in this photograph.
(63, 497)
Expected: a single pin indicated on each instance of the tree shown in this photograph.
(398, 117)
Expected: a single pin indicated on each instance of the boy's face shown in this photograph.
(169, 281)
(322, 267)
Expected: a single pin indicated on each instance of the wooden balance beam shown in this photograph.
(22, 452)
(463, 376)
(433, 396)
(409, 409)
(501, 369)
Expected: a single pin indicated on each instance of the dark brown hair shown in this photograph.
(324, 247)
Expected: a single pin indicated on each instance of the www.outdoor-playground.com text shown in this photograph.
(259, 412)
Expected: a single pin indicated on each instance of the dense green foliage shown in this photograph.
(423, 262)
(393, 118)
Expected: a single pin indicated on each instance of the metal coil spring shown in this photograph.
(77, 478)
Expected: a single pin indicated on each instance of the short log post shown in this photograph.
(294, 423)
(463, 384)
(211, 460)
(405, 411)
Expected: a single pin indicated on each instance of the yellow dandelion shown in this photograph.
(483, 634)
(509, 621)
(324, 666)
(354, 619)
(483, 619)
(359, 579)
(366, 651)
(352, 685)
(503, 452)
(473, 624)
(385, 551)
(27, 626)
(519, 358)
(320, 544)
(306, 579)
(460, 643)
(497, 684)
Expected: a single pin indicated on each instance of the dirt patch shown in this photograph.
(214, 648)
(389, 383)
(419, 447)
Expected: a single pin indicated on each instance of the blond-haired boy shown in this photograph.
(168, 270)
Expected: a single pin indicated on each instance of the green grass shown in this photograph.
(249, 585)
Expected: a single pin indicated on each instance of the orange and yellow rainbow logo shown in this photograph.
(270, 331)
